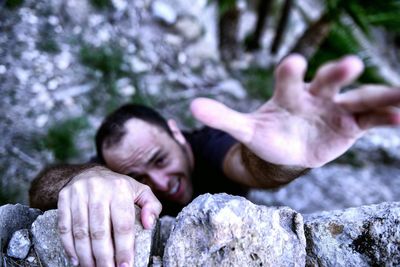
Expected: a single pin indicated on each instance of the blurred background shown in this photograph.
(65, 64)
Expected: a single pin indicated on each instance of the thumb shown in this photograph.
(216, 115)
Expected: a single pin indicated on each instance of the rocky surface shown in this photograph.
(364, 236)
(19, 244)
(224, 230)
(14, 218)
(48, 244)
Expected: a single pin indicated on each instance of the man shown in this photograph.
(302, 126)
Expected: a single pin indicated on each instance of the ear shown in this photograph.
(176, 132)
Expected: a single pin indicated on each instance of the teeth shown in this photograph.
(175, 188)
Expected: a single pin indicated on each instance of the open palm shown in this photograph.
(306, 124)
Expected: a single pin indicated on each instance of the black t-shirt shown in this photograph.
(209, 148)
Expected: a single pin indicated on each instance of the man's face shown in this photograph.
(151, 156)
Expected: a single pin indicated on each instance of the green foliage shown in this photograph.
(47, 42)
(48, 45)
(350, 158)
(9, 195)
(223, 5)
(60, 138)
(106, 59)
(339, 43)
(258, 82)
(101, 4)
(11, 4)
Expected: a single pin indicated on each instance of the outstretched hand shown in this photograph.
(307, 124)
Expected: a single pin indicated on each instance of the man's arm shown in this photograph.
(304, 125)
(243, 166)
(43, 193)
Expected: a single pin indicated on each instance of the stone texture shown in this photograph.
(143, 243)
(165, 224)
(163, 11)
(224, 230)
(13, 218)
(364, 236)
(48, 244)
(19, 245)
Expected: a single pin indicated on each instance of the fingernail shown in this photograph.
(151, 220)
(124, 264)
(74, 261)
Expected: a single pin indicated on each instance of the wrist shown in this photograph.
(269, 174)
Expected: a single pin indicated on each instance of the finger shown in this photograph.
(123, 223)
(382, 117)
(368, 98)
(289, 76)
(151, 207)
(219, 116)
(64, 226)
(100, 232)
(331, 77)
(80, 227)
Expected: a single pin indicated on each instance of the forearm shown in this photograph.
(268, 175)
(43, 193)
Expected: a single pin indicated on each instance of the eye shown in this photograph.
(160, 162)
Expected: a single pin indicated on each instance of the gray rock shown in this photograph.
(165, 225)
(19, 245)
(364, 236)
(156, 261)
(143, 243)
(13, 218)
(224, 230)
(163, 11)
(189, 27)
(47, 242)
(335, 186)
(51, 253)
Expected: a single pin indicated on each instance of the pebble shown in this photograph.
(19, 245)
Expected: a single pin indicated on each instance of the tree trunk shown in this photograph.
(282, 24)
(313, 37)
(263, 10)
(228, 26)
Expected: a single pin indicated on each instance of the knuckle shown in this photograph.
(124, 228)
(98, 234)
(63, 229)
(93, 184)
(120, 183)
(158, 207)
(146, 188)
(80, 233)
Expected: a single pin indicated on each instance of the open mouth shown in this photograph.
(175, 187)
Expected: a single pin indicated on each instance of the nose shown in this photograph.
(159, 180)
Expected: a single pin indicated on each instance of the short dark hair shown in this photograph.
(113, 129)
